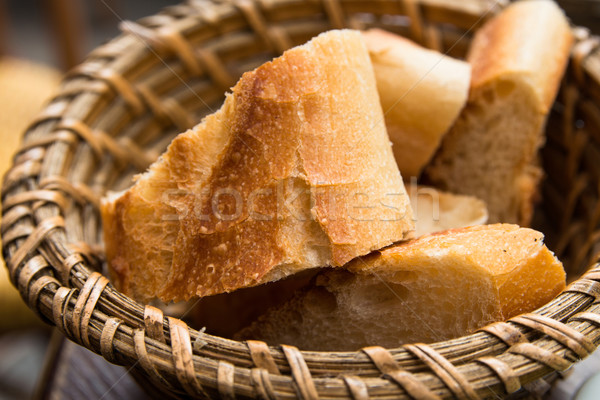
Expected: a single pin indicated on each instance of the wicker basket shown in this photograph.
(117, 111)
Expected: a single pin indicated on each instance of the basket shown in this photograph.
(117, 111)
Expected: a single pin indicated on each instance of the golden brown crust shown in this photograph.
(434, 288)
(499, 48)
(518, 59)
(421, 92)
(528, 186)
(267, 186)
(525, 273)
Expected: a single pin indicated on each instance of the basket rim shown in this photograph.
(89, 311)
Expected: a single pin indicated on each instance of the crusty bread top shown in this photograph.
(499, 48)
(430, 289)
(421, 91)
(526, 273)
(294, 171)
(518, 58)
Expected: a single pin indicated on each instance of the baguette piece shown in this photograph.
(435, 210)
(518, 59)
(433, 288)
(421, 92)
(293, 172)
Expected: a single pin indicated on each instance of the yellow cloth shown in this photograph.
(24, 89)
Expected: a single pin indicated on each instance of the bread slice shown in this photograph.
(227, 313)
(433, 288)
(435, 210)
(295, 171)
(421, 93)
(518, 59)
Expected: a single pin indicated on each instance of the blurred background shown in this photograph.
(59, 33)
(39, 41)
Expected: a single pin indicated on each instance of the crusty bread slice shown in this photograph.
(295, 171)
(433, 288)
(518, 59)
(435, 210)
(421, 93)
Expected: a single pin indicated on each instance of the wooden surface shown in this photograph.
(72, 372)
(21, 354)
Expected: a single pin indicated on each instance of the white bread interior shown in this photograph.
(227, 313)
(421, 91)
(430, 289)
(435, 210)
(518, 59)
(295, 171)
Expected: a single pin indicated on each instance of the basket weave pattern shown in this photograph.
(115, 113)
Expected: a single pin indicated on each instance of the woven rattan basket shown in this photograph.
(116, 112)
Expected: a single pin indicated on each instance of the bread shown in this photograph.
(226, 313)
(433, 288)
(435, 210)
(421, 93)
(293, 172)
(518, 59)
